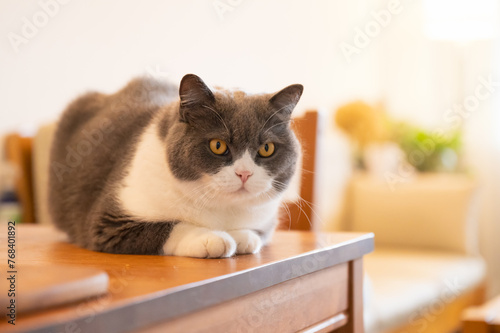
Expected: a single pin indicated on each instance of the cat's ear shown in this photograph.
(194, 92)
(287, 98)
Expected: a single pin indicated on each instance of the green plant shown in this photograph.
(426, 150)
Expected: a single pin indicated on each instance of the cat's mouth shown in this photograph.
(246, 191)
(242, 190)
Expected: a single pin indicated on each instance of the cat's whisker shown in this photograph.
(305, 171)
(299, 206)
(197, 195)
(193, 192)
(220, 118)
(282, 123)
(313, 211)
(207, 196)
(201, 200)
(275, 113)
(289, 214)
(300, 202)
(278, 182)
(310, 204)
(280, 185)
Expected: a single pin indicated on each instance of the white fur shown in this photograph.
(247, 241)
(207, 207)
(191, 241)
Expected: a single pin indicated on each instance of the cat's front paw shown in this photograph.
(247, 241)
(213, 244)
(200, 243)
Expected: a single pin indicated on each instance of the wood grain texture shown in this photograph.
(273, 309)
(148, 289)
(355, 294)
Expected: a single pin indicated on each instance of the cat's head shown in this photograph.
(232, 146)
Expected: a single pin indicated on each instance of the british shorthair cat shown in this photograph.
(185, 171)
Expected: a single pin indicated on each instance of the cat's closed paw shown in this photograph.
(200, 243)
(247, 241)
(213, 244)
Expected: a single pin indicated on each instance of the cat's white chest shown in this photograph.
(151, 193)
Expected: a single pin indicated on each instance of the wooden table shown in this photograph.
(483, 319)
(302, 281)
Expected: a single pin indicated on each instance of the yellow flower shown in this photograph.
(362, 122)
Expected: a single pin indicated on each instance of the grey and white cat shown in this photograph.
(188, 171)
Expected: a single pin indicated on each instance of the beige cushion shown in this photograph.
(403, 284)
(433, 211)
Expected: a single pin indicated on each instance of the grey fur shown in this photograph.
(98, 134)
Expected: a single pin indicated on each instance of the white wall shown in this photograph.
(259, 45)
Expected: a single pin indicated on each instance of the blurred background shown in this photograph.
(408, 95)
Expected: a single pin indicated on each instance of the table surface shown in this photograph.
(147, 289)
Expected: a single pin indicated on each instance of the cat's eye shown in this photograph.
(218, 147)
(266, 149)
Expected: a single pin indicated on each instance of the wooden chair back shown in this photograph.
(18, 151)
(299, 215)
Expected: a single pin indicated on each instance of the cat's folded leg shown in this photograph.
(127, 235)
(191, 241)
(247, 241)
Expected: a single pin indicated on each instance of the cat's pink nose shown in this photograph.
(244, 175)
